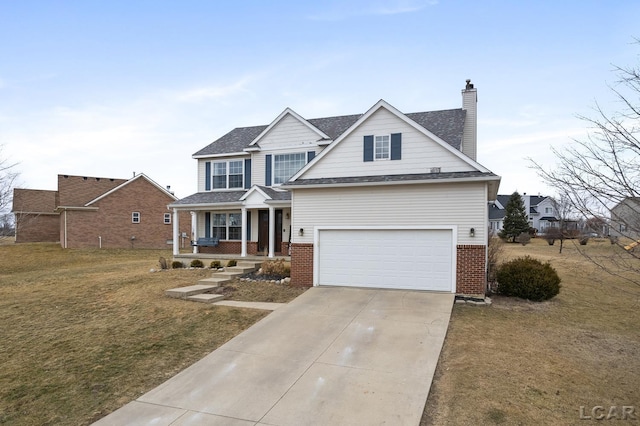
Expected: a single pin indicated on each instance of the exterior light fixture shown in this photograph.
(472, 232)
(301, 232)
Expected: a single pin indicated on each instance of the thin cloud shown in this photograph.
(344, 10)
(207, 93)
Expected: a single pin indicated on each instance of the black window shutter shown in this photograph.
(247, 173)
(207, 176)
(248, 225)
(396, 146)
(267, 173)
(310, 155)
(368, 148)
(207, 225)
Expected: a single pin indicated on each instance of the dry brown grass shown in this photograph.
(521, 363)
(83, 332)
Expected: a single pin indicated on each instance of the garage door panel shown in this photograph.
(386, 258)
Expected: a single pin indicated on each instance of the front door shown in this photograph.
(263, 231)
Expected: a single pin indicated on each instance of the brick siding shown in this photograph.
(37, 228)
(112, 220)
(302, 264)
(471, 275)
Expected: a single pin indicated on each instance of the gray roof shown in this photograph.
(495, 212)
(388, 178)
(276, 195)
(222, 197)
(211, 197)
(446, 124)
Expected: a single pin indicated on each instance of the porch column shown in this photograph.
(272, 229)
(176, 232)
(243, 249)
(194, 228)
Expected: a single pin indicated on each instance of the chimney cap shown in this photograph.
(469, 84)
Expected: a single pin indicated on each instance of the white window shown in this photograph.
(227, 226)
(286, 165)
(381, 148)
(135, 217)
(548, 210)
(167, 218)
(227, 174)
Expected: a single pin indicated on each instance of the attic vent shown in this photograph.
(84, 178)
(435, 170)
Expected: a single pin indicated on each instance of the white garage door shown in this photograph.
(419, 259)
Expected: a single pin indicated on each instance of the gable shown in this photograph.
(76, 191)
(289, 132)
(418, 151)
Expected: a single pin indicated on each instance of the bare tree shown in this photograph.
(565, 213)
(8, 176)
(602, 171)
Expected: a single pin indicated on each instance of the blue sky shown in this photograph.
(106, 88)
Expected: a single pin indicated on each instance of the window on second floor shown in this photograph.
(227, 174)
(548, 210)
(286, 165)
(381, 148)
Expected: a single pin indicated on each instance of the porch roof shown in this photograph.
(208, 198)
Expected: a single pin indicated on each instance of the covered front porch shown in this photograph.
(256, 222)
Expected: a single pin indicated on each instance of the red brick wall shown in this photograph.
(37, 228)
(112, 220)
(302, 264)
(471, 275)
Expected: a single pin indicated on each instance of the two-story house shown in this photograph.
(381, 199)
(540, 209)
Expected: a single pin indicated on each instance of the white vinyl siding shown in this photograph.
(202, 170)
(419, 153)
(459, 204)
(288, 133)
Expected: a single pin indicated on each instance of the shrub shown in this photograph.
(524, 238)
(276, 267)
(197, 263)
(613, 239)
(584, 239)
(550, 241)
(163, 263)
(528, 278)
(232, 262)
(215, 264)
(176, 264)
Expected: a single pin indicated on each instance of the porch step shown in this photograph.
(192, 290)
(214, 281)
(206, 298)
(241, 269)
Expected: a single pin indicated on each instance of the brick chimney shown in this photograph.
(470, 135)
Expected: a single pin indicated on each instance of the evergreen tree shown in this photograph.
(515, 218)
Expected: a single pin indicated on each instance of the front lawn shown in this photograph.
(519, 362)
(83, 332)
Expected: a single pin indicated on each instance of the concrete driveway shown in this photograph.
(333, 356)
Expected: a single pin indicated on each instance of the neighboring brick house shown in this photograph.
(93, 212)
(381, 199)
(36, 219)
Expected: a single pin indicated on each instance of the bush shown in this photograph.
(276, 267)
(216, 264)
(584, 240)
(613, 239)
(524, 238)
(528, 278)
(232, 262)
(197, 263)
(176, 264)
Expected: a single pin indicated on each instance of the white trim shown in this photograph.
(383, 104)
(395, 182)
(294, 115)
(452, 228)
(226, 154)
(227, 175)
